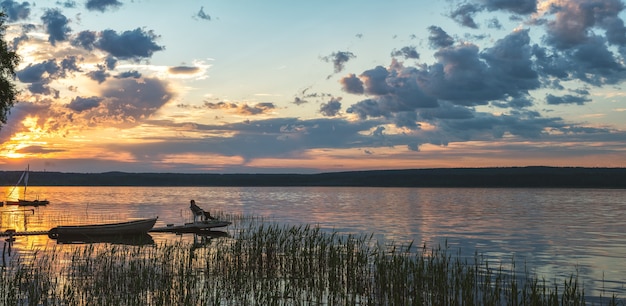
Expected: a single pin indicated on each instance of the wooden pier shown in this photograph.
(9, 233)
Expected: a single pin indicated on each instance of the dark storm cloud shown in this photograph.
(202, 15)
(566, 99)
(408, 52)
(464, 14)
(56, 25)
(15, 11)
(102, 5)
(80, 104)
(339, 59)
(133, 45)
(439, 38)
(331, 108)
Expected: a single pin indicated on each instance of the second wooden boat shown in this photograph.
(123, 228)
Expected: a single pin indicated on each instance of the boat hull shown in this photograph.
(21, 202)
(123, 228)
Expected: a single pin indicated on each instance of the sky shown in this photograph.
(320, 86)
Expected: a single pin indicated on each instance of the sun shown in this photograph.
(21, 140)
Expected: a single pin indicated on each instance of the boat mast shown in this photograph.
(26, 180)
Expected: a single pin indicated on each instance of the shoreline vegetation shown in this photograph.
(507, 177)
(269, 264)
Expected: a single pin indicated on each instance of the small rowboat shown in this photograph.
(123, 228)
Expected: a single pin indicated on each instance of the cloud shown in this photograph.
(464, 14)
(183, 70)
(85, 39)
(352, 84)
(123, 102)
(522, 7)
(132, 45)
(566, 99)
(339, 59)
(56, 25)
(465, 76)
(40, 72)
(242, 108)
(67, 4)
(80, 104)
(15, 11)
(39, 75)
(275, 138)
(202, 15)
(331, 108)
(304, 96)
(439, 38)
(99, 75)
(574, 21)
(102, 5)
(129, 74)
(408, 52)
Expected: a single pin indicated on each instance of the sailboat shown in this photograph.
(23, 201)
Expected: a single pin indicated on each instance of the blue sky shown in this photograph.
(306, 87)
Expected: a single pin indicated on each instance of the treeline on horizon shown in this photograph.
(516, 177)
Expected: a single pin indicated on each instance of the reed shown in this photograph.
(270, 264)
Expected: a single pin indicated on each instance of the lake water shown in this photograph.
(553, 232)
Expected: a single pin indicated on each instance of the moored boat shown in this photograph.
(24, 202)
(134, 227)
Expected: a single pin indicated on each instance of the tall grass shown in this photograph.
(269, 264)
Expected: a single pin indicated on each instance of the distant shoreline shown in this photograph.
(509, 177)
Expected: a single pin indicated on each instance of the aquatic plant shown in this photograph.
(270, 264)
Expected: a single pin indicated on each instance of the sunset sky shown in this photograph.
(318, 86)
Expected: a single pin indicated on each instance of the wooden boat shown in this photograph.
(132, 239)
(193, 227)
(24, 202)
(134, 227)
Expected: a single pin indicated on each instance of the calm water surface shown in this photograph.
(553, 232)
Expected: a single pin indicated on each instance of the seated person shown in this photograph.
(197, 211)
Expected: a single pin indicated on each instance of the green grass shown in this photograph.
(269, 264)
